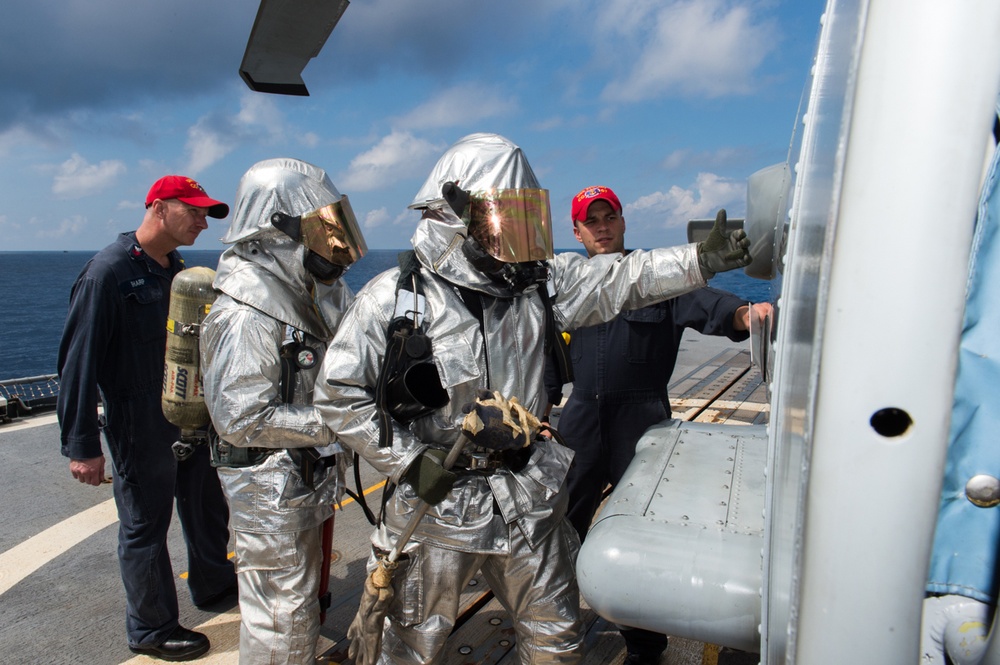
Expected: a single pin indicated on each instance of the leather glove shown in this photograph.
(429, 478)
(499, 424)
(955, 629)
(722, 250)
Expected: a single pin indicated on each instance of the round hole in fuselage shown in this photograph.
(891, 422)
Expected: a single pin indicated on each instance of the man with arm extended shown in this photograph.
(484, 298)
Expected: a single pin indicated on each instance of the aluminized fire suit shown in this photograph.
(267, 294)
(508, 523)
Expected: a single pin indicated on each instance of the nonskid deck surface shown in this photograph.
(62, 600)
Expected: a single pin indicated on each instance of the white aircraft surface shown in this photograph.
(810, 539)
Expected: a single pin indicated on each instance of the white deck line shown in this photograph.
(25, 558)
(28, 423)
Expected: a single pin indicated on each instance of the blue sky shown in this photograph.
(670, 103)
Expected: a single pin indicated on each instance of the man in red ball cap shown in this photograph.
(621, 369)
(177, 206)
(112, 351)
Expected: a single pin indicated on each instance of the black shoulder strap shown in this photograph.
(359, 497)
(289, 368)
(287, 385)
(555, 344)
(475, 306)
(409, 267)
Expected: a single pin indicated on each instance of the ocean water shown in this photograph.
(35, 287)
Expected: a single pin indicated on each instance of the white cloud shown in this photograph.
(722, 158)
(677, 205)
(548, 124)
(68, 227)
(707, 48)
(126, 204)
(309, 139)
(259, 110)
(76, 178)
(406, 218)
(398, 155)
(676, 159)
(376, 218)
(15, 136)
(205, 146)
(217, 134)
(464, 104)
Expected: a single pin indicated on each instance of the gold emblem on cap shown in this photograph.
(195, 185)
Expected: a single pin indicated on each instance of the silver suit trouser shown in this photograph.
(538, 589)
(279, 577)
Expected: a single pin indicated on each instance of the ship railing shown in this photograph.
(31, 394)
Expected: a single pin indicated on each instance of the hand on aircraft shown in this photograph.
(723, 250)
(499, 424)
(761, 310)
(90, 471)
(430, 480)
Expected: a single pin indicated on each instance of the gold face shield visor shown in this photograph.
(330, 233)
(333, 233)
(512, 225)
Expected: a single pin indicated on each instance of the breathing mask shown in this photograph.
(330, 235)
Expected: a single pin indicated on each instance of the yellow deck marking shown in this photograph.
(365, 493)
(25, 558)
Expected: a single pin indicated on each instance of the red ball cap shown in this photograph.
(188, 191)
(582, 201)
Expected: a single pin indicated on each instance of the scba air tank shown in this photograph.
(191, 297)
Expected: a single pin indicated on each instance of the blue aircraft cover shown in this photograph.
(965, 542)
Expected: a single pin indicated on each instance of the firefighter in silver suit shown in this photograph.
(484, 248)
(292, 237)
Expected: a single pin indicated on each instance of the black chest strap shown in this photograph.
(413, 388)
(555, 344)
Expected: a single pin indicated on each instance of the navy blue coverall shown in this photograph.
(114, 341)
(621, 371)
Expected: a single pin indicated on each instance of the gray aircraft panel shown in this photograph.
(286, 35)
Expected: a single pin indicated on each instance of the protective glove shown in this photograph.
(430, 480)
(722, 250)
(955, 629)
(499, 424)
